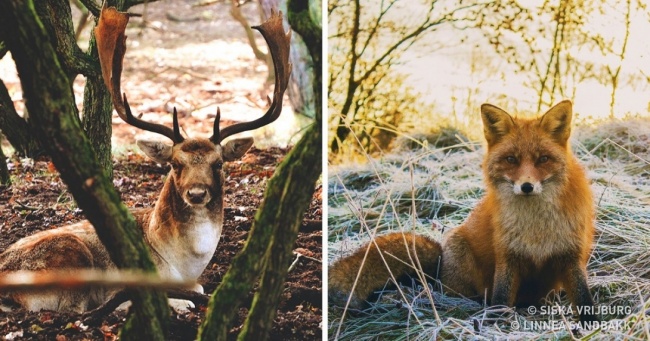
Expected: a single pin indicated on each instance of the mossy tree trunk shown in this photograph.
(279, 254)
(98, 110)
(56, 17)
(276, 224)
(46, 89)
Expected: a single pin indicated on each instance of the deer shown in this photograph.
(183, 228)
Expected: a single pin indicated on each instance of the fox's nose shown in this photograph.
(197, 195)
(527, 187)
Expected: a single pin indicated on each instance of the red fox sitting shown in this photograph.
(531, 233)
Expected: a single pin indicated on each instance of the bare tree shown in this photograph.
(537, 42)
(366, 39)
(546, 43)
(613, 72)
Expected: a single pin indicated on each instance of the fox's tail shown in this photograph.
(401, 253)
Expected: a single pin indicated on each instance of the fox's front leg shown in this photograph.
(398, 253)
(506, 284)
(577, 289)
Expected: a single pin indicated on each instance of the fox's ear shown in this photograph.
(557, 121)
(496, 123)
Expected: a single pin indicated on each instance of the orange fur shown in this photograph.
(531, 233)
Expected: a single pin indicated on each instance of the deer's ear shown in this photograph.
(234, 149)
(156, 150)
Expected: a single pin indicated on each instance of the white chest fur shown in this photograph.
(188, 253)
(533, 228)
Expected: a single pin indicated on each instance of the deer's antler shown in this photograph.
(278, 42)
(111, 46)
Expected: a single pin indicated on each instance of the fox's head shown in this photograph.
(527, 156)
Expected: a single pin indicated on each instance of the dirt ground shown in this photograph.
(192, 58)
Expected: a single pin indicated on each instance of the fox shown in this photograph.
(530, 234)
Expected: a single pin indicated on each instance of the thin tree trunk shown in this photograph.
(301, 94)
(275, 227)
(49, 100)
(342, 131)
(97, 112)
(285, 200)
(5, 179)
(264, 307)
(15, 128)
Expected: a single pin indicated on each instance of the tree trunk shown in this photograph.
(4, 171)
(51, 104)
(276, 224)
(97, 112)
(300, 91)
(15, 127)
(264, 307)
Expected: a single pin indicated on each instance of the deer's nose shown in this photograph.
(197, 195)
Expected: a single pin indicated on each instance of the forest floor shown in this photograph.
(192, 58)
(39, 201)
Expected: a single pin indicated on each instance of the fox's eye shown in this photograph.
(511, 159)
(543, 159)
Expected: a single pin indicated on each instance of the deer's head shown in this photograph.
(196, 165)
(196, 162)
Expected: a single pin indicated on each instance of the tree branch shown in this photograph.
(92, 7)
(57, 18)
(236, 13)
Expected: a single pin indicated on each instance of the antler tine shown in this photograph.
(177, 130)
(216, 134)
(278, 42)
(127, 116)
(111, 45)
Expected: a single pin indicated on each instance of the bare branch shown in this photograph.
(77, 279)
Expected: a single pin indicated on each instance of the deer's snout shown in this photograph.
(197, 196)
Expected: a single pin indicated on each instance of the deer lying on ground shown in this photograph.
(183, 229)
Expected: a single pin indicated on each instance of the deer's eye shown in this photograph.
(218, 165)
(511, 159)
